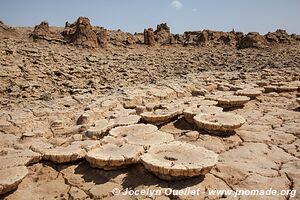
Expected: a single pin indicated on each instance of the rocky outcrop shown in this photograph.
(149, 37)
(279, 36)
(4, 26)
(81, 33)
(212, 38)
(40, 31)
(252, 39)
(123, 39)
(7, 29)
(163, 34)
(102, 36)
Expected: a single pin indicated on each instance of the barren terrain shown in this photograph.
(66, 100)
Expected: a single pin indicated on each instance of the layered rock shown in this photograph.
(149, 37)
(81, 33)
(279, 36)
(3, 26)
(7, 29)
(252, 39)
(40, 31)
(163, 34)
(206, 37)
(102, 36)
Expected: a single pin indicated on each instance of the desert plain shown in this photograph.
(86, 110)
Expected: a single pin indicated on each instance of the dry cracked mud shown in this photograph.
(71, 113)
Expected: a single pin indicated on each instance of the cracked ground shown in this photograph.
(45, 88)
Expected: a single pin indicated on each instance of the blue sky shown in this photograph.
(181, 15)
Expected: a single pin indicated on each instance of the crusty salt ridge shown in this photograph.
(111, 156)
(231, 101)
(148, 139)
(219, 122)
(190, 112)
(70, 153)
(143, 135)
(99, 129)
(123, 131)
(11, 177)
(127, 120)
(177, 160)
(13, 158)
(159, 116)
(250, 92)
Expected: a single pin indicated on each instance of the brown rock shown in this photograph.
(203, 37)
(4, 26)
(163, 34)
(252, 40)
(40, 31)
(102, 36)
(149, 37)
(279, 36)
(81, 33)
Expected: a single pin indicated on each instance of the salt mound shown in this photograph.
(177, 160)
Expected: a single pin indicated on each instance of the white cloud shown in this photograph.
(194, 9)
(176, 4)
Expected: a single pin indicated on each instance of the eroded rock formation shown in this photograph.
(252, 39)
(81, 33)
(149, 37)
(40, 31)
